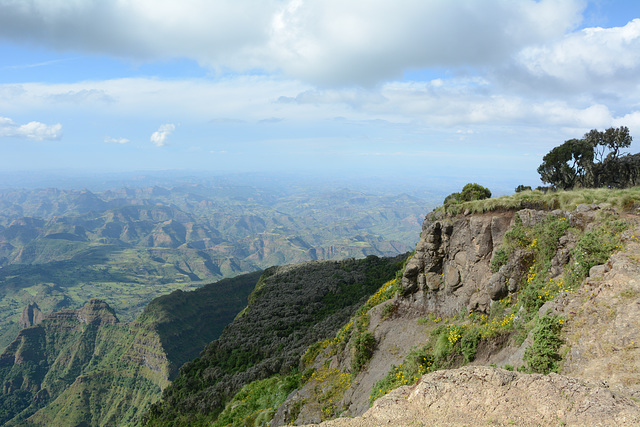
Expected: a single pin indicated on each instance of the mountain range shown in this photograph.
(515, 310)
(126, 246)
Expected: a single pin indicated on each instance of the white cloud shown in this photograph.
(32, 130)
(452, 103)
(329, 42)
(116, 140)
(593, 59)
(334, 42)
(159, 137)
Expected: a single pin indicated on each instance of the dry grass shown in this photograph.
(623, 199)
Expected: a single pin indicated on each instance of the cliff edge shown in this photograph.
(534, 291)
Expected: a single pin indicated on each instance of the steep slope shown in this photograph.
(475, 292)
(83, 367)
(187, 321)
(291, 307)
(600, 373)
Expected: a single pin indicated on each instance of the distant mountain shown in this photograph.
(84, 367)
(58, 248)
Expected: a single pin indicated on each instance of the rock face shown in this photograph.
(602, 331)
(31, 316)
(451, 268)
(450, 273)
(96, 312)
(482, 395)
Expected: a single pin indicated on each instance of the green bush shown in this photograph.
(469, 343)
(516, 237)
(441, 345)
(364, 344)
(547, 234)
(595, 247)
(499, 259)
(470, 192)
(542, 355)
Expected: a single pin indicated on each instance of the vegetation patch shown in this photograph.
(363, 346)
(499, 259)
(595, 247)
(623, 199)
(543, 356)
(256, 403)
(329, 385)
(417, 363)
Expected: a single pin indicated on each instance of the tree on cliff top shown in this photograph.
(469, 192)
(596, 160)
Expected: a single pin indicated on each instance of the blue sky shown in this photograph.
(473, 89)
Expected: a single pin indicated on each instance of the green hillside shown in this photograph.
(84, 367)
(291, 307)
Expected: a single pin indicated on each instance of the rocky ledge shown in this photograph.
(483, 395)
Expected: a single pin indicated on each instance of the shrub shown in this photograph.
(474, 192)
(516, 237)
(469, 343)
(442, 345)
(499, 259)
(470, 192)
(595, 247)
(542, 355)
(364, 344)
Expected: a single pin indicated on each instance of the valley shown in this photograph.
(492, 303)
(126, 246)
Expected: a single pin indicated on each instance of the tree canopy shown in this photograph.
(471, 191)
(596, 160)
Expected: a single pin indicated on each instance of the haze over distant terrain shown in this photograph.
(60, 247)
(475, 90)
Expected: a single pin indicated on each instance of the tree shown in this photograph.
(471, 191)
(595, 160)
(566, 165)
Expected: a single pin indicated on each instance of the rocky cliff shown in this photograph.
(500, 288)
(451, 269)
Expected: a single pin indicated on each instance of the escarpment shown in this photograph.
(474, 292)
(84, 367)
(454, 266)
(451, 267)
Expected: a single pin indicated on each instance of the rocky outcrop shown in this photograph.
(602, 330)
(96, 312)
(483, 395)
(451, 267)
(31, 316)
(451, 273)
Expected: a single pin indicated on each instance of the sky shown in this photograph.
(474, 89)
